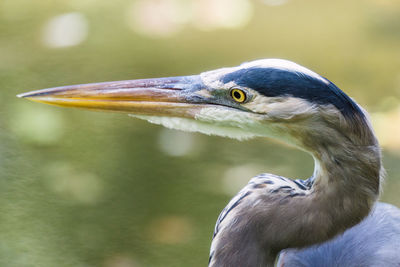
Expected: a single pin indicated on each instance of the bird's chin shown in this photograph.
(190, 125)
(213, 120)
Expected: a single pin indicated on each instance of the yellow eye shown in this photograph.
(238, 95)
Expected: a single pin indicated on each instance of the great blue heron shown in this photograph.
(271, 214)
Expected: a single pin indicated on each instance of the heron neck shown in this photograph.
(274, 214)
(343, 189)
(347, 160)
(346, 171)
(345, 185)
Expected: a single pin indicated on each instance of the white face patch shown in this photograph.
(238, 121)
(219, 121)
(280, 107)
(223, 122)
(212, 78)
(190, 125)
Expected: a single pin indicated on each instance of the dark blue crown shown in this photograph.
(275, 82)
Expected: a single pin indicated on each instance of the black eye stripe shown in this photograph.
(275, 82)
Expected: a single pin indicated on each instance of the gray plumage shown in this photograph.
(282, 100)
(373, 242)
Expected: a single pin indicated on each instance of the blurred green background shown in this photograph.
(81, 188)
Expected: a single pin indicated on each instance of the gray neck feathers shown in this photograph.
(346, 183)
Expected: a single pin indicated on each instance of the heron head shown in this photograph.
(269, 97)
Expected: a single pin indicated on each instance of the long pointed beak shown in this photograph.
(174, 96)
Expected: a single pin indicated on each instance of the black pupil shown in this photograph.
(237, 95)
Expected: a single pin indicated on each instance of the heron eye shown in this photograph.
(238, 95)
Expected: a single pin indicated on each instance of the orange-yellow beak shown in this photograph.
(174, 96)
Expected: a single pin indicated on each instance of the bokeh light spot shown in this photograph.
(387, 128)
(171, 230)
(37, 125)
(157, 18)
(275, 2)
(176, 143)
(65, 30)
(120, 260)
(212, 14)
(83, 187)
(237, 177)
